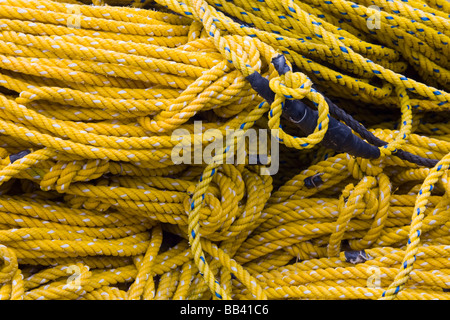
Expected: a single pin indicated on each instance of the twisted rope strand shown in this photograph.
(139, 160)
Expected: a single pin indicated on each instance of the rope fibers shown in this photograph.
(93, 205)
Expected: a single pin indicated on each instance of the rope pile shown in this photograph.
(93, 205)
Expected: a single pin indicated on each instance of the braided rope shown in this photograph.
(96, 96)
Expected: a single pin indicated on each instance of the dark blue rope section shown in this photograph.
(339, 136)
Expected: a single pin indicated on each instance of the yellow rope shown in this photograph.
(96, 96)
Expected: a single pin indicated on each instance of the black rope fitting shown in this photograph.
(314, 181)
(338, 137)
(356, 257)
(16, 156)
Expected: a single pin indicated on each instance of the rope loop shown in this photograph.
(353, 202)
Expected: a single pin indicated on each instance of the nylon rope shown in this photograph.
(95, 96)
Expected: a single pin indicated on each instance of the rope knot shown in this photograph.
(291, 85)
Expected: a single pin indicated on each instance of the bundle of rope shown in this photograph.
(96, 96)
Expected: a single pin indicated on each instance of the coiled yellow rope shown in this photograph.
(92, 205)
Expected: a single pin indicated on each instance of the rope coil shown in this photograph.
(96, 96)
